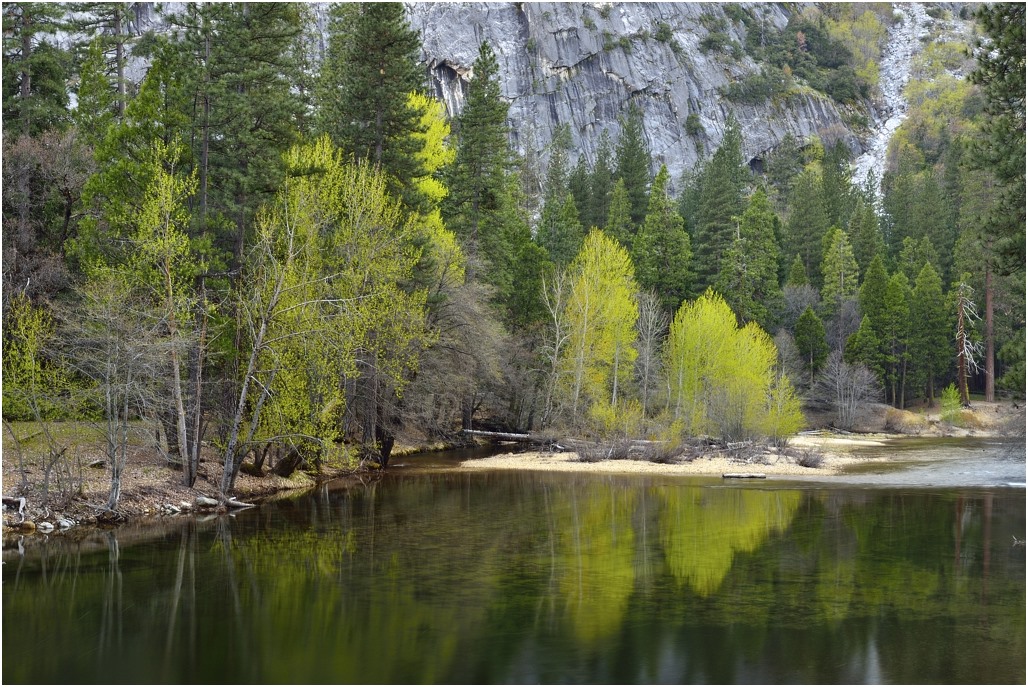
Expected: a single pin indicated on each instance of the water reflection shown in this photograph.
(501, 578)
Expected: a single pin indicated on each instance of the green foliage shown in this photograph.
(35, 70)
(32, 383)
(365, 106)
(601, 313)
(749, 271)
(866, 234)
(758, 88)
(477, 207)
(693, 127)
(807, 223)
(839, 270)
(663, 32)
(811, 342)
(863, 347)
(722, 378)
(632, 163)
(661, 250)
(949, 403)
(1001, 73)
(797, 273)
(930, 339)
(560, 232)
(720, 202)
(619, 218)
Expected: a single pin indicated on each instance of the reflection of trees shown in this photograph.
(702, 530)
(596, 547)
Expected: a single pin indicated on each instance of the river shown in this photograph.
(430, 575)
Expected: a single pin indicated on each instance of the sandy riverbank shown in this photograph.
(834, 450)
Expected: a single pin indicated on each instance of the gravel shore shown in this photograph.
(833, 449)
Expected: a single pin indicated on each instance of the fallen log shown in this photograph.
(503, 436)
(744, 475)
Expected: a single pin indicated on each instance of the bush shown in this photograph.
(904, 421)
(755, 88)
(663, 33)
(692, 125)
(810, 459)
(950, 403)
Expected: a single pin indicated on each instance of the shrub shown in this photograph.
(810, 459)
(663, 33)
(692, 124)
(904, 421)
(950, 403)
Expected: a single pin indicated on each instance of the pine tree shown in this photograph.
(797, 273)
(1001, 73)
(807, 223)
(108, 25)
(35, 71)
(235, 66)
(896, 339)
(872, 295)
(366, 106)
(930, 338)
(619, 219)
(560, 232)
(601, 185)
(863, 347)
(835, 185)
(632, 163)
(749, 271)
(866, 234)
(839, 269)
(915, 254)
(811, 342)
(721, 202)
(477, 177)
(581, 190)
(661, 251)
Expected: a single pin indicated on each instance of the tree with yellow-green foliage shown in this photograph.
(722, 378)
(600, 318)
(330, 326)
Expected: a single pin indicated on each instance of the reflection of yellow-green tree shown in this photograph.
(595, 550)
(703, 529)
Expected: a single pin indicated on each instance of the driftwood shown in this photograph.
(19, 502)
(206, 502)
(505, 436)
(744, 475)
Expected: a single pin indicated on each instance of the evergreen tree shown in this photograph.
(35, 71)
(839, 269)
(619, 219)
(234, 65)
(560, 232)
(661, 251)
(863, 347)
(897, 326)
(835, 185)
(811, 342)
(930, 337)
(872, 295)
(749, 272)
(807, 223)
(914, 255)
(601, 185)
(108, 25)
(476, 179)
(632, 163)
(365, 103)
(797, 273)
(721, 202)
(1000, 53)
(866, 234)
(581, 190)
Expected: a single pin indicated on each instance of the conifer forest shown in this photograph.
(274, 241)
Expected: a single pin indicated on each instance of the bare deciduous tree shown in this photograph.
(847, 387)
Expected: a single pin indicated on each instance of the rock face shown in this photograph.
(584, 65)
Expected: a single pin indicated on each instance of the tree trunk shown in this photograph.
(961, 357)
(990, 342)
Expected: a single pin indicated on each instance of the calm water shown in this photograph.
(429, 576)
